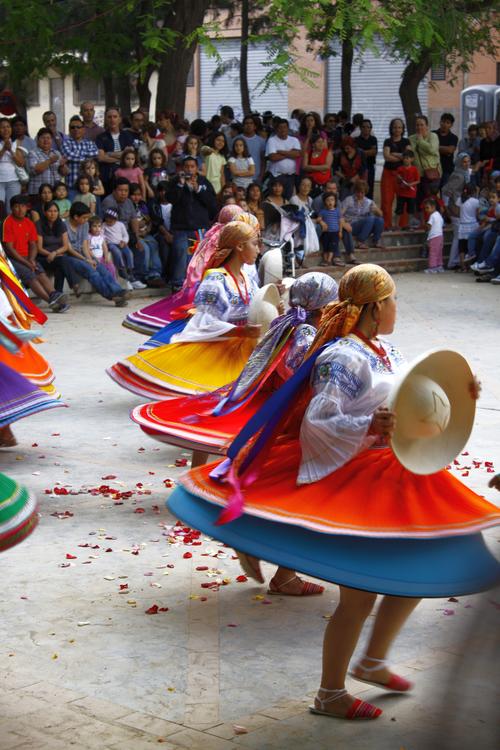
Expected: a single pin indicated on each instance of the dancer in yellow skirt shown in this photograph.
(215, 345)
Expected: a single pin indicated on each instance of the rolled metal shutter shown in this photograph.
(375, 88)
(226, 89)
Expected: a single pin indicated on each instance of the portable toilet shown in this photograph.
(496, 108)
(477, 104)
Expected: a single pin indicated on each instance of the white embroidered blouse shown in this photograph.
(349, 383)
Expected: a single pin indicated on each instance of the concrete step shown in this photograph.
(398, 239)
(395, 265)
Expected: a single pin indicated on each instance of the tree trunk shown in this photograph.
(177, 61)
(245, 92)
(122, 93)
(413, 74)
(345, 75)
(143, 90)
(109, 92)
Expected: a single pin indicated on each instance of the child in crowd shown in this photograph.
(241, 164)
(129, 168)
(215, 160)
(156, 171)
(487, 214)
(151, 263)
(90, 168)
(116, 236)
(468, 223)
(331, 222)
(435, 236)
(62, 200)
(408, 177)
(84, 193)
(99, 247)
(433, 195)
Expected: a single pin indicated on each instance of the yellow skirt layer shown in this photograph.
(197, 367)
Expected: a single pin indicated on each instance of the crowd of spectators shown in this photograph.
(120, 205)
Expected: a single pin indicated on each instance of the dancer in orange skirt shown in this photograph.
(331, 497)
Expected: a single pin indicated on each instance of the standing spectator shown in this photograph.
(355, 129)
(425, 146)
(84, 193)
(468, 222)
(110, 145)
(81, 262)
(310, 127)
(282, 150)
(368, 144)
(12, 157)
(435, 237)
(317, 162)
(331, 222)
(470, 144)
(92, 129)
(349, 166)
(448, 142)
(226, 118)
(364, 217)
(152, 261)
(241, 164)
(408, 178)
(193, 209)
(451, 194)
(45, 164)
(394, 148)
(49, 120)
(192, 148)
(329, 126)
(76, 148)
(130, 169)
(21, 135)
(489, 150)
(256, 145)
(20, 244)
(137, 125)
(156, 171)
(167, 123)
(216, 154)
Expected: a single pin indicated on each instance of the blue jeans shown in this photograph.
(123, 258)
(179, 255)
(493, 259)
(489, 239)
(7, 191)
(99, 277)
(152, 262)
(362, 229)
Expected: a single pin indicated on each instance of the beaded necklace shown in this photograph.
(379, 350)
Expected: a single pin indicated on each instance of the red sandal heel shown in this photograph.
(358, 709)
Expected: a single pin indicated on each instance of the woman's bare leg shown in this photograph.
(199, 459)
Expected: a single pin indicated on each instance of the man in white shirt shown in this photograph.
(282, 150)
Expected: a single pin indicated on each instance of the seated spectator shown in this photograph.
(129, 168)
(408, 178)
(98, 246)
(45, 195)
(306, 237)
(276, 193)
(117, 239)
(349, 166)
(282, 151)
(468, 222)
(254, 202)
(368, 144)
(20, 242)
(364, 217)
(61, 199)
(160, 213)
(241, 164)
(489, 150)
(215, 155)
(152, 263)
(317, 162)
(110, 145)
(53, 244)
(81, 262)
(256, 145)
(156, 171)
(193, 210)
(45, 164)
(84, 193)
(21, 135)
(487, 217)
(451, 194)
(329, 187)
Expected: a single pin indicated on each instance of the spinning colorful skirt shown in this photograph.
(333, 501)
(19, 397)
(201, 358)
(18, 514)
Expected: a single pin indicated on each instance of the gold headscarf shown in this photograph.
(360, 286)
(235, 233)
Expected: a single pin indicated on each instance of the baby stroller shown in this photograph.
(278, 256)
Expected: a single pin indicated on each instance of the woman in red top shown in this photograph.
(350, 166)
(317, 162)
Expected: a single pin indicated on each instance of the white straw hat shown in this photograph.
(263, 308)
(434, 411)
(271, 266)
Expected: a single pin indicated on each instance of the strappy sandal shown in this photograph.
(396, 683)
(338, 262)
(252, 571)
(308, 588)
(362, 246)
(358, 710)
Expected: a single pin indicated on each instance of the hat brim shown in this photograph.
(264, 306)
(271, 266)
(452, 372)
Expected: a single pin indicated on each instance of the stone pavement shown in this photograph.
(83, 666)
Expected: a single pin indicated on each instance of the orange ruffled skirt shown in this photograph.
(372, 495)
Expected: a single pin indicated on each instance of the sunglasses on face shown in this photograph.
(75, 127)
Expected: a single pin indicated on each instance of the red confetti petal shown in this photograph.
(123, 586)
(488, 463)
(139, 510)
(465, 473)
(34, 445)
(241, 579)
(108, 550)
(489, 470)
(202, 567)
(56, 434)
(465, 453)
(453, 599)
(70, 557)
(187, 555)
(152, 610)
(163, 609)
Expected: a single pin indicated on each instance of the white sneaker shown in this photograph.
(138, 285)
(128, 286)
(496, 280)
(475, 267)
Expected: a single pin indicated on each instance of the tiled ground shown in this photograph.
(83, 666)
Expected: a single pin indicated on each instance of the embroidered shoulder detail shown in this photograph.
(217, 274)
(339, 375)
